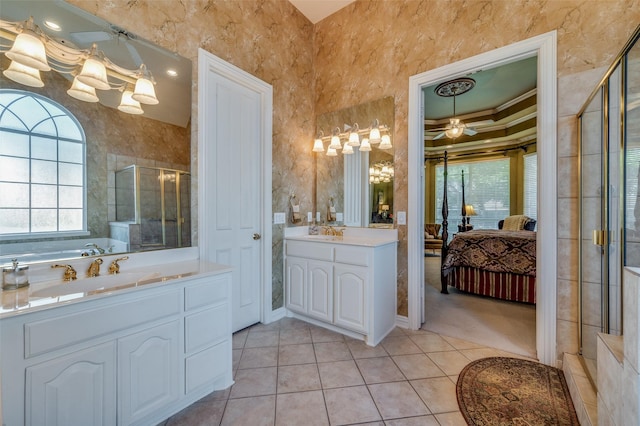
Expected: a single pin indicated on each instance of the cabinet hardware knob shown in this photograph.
(257, 236)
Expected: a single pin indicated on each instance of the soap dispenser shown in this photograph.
(15, 276)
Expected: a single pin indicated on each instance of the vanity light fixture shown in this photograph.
(128, 104)
(331, 152)
(352, 135)
(32, 51)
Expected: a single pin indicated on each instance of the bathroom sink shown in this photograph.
(97, 284)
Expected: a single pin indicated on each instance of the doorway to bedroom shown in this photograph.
(490, 175)
(526, 329)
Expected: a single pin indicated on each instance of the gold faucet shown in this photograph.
(334, 232)
(94, 268)
(70, 274)
(114, 268)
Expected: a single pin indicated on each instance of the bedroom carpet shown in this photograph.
(501, 391)
(509, 326)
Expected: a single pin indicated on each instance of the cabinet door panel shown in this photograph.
(77, 389)
(295, 270)
(320, 288)
(350, 297)
(148, 371)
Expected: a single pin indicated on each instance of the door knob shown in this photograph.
(256, 236)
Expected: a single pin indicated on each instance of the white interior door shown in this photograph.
(232, 211)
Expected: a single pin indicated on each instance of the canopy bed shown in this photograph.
(499, 263)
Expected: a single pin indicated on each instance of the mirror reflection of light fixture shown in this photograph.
(385, 142)
(381, 172)
(365, 145)
(374, 133)
(354, 137)
(331, 152)
(347, 149)
(32, 51)
(335, 140)
(318, 146)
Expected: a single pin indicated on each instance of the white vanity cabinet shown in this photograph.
(347, 285)
(125, 358)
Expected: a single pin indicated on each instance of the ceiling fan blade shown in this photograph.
(469, 132)
(134, 53)
(88, 37)
(438, 136)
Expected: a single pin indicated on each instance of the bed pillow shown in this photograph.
(432, 229)
(515, 222)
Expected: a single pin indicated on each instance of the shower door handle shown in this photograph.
(599, 237)
(257, 236)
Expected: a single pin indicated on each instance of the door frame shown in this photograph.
(207, 62)
(545, 47)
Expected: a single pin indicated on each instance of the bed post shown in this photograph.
(445, 227)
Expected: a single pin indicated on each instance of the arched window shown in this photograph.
(42, 167)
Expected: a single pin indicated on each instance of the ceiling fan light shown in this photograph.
(23, 74)
(385, 142)
(365, 145)
(82, 92)
(29, 51)
(145, 92)
(454, 132)
(128, 104)
(94, 74)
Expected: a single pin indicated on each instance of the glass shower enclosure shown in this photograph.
(155, 202)
(609, 214)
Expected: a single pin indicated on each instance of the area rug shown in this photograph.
(509, 391)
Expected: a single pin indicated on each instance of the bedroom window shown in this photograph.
(531, 185)
(42, 167)
(486, 188)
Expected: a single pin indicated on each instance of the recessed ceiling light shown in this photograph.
(52, 25)
(172, 72)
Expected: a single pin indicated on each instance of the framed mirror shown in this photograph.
(355, 185)
(130, 186)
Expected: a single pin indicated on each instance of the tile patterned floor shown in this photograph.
(293, 373)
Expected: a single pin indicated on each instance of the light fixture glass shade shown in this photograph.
(145, 92)
(365, 145)
(385, 142)
(83, 92)
(335, 142)
(23, 74)
(454, 132)
(331, 152)
(348, 149)
(128, 104)
(470, 211)
(374, 135)
(354, 139)
(94, 74)
(29, 51)
(371, 179)
(376, 179)
(318, 146)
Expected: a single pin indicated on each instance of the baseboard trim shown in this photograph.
(402, 321)
(275, 315)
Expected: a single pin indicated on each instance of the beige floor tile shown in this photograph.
(461, 344)
(258, 357)
(236, 354)
(304, 408)
(400, 345)
(219, 395)
(258, 339)
(321, 335)
(397, 332)
(239, 339)
(417, 366)
(451, 362)
(438, 393)
(199, 414)
(350, 405)
(288, 323)
(431, 343)
(298, 378)
(296, 354)
(295, 336)
(451, 419)
(332, 351)
(254, 382)
(339, 374)
(379, 370)
(479, 353)
(398, 399)
(257, 411)
(413, 421)
(359, 349)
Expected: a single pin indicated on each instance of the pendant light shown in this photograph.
(82, 92)
(23, 74)
(28, 49)
(94, 73)
(144, 91)
(128, 104)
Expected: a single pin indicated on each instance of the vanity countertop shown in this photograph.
(367, 241)
(49, 294)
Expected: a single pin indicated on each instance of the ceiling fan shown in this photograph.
(452, 88)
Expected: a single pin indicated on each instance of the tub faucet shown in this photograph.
(69, 273)
(94, 268)
(95, 248)
(114, 268)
